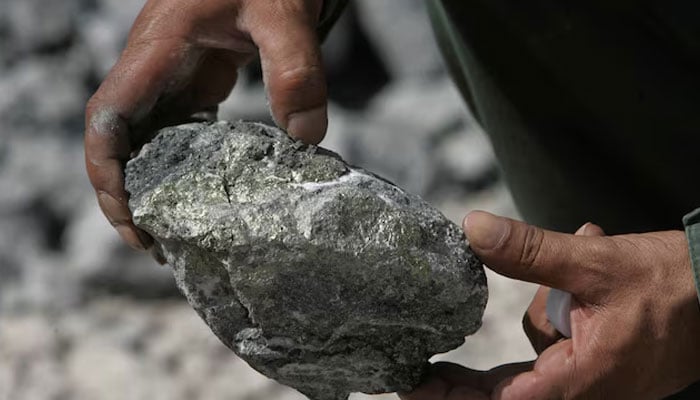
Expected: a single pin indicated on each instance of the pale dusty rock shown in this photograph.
(320, 275)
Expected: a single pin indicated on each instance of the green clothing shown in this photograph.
(593, 107)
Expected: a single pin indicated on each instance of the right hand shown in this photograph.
(181, 58)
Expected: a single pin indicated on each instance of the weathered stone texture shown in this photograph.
(320, 275)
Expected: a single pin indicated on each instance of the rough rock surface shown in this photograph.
(320, 275)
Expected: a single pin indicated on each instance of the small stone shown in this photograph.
(320, 275)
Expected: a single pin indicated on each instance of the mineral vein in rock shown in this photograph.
(320, 275)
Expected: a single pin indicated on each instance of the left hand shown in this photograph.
(181, 59)
(635, 316)
(536, 324)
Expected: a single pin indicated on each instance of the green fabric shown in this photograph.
(692, 231)
(452, 49)
(592, 107)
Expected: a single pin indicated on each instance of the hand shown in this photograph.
(536, 325)
(635, 316)
(181, 58)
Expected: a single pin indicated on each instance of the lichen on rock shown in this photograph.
(320, 275)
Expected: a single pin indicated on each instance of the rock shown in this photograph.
(320, 275)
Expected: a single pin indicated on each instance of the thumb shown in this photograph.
(525, 252)
(292, 68)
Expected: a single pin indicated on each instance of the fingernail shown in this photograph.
(591, 229)
(113, 209)
(158, 256)
(309, 126)
(130, 237)
(581, 231)
(146, 239)
(485, 231)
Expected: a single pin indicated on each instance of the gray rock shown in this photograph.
(320, 275)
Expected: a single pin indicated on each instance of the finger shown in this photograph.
(215, 78)
(127, 94)
(529, 253)
(449, 381)
(548, 379)
(433, 388)
(590, 229)
(457, 375)
(465, 393)
(536, 325)
(209, 85)
(292, 66)
(106, 150)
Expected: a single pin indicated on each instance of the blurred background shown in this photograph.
(84, 317)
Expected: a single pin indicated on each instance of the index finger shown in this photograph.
(107, 149)
(128, 93)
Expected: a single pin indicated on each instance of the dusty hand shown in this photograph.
(635, 316)
(181, 58)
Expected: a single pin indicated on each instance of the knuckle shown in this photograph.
(599, 253)
(93, 106)
(94, 109)
(298, 8)
(102, 120)
(532, 246)
(300, 78)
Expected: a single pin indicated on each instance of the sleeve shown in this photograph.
(692, 231)
(332, 9)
